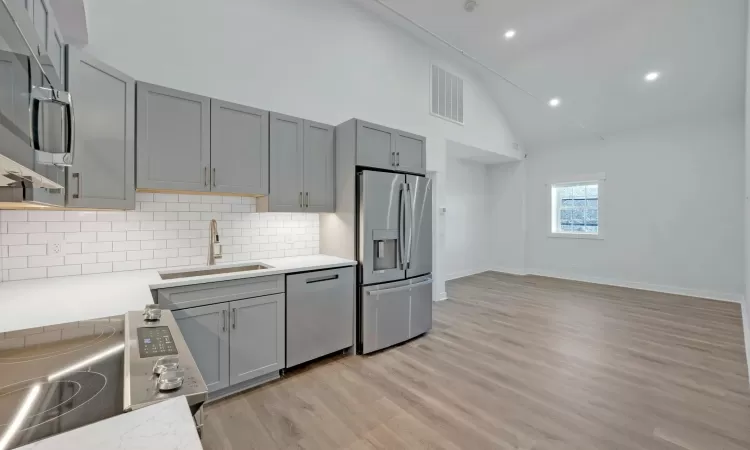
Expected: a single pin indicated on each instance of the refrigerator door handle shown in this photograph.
(400, 288)
(411, 225)
(402, 225)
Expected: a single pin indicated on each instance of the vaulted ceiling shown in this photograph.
(593, 55)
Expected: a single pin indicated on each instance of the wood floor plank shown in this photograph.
(519, 362)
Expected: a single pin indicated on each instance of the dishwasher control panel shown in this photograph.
(155, 341)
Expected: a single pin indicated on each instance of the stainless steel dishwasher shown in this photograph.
(319, 314)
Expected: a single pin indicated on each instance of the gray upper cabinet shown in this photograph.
(173, 139)
(286, 193)
(103, 175)
(375, 146)
(206, 331)
(411, 152)
(302, 158)
(51, 47)
(386, 148)
(257, 345)
(319, 170)
(239, 149)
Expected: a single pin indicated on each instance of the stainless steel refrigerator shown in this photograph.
(395, 258)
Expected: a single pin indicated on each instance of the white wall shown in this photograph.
(506, 196)
(467, 219)
(672, 209)
(325, 60)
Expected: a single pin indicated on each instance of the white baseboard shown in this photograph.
(510, 270)
(464, 273)
(722, 296)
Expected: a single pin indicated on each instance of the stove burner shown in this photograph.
(62, 347)
(56, 400)
(9, 400)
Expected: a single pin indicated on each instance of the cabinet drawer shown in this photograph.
(320, 314)
(223, 291)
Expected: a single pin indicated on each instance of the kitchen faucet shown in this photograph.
(213, 243)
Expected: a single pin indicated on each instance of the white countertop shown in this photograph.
(49, 301)
(165, 425)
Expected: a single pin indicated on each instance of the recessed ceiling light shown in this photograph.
(470, 5)
(652, 76)
(554, 102)
(510, 34)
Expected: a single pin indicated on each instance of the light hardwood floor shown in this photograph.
(519, 363)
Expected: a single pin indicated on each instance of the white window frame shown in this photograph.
(553, 206)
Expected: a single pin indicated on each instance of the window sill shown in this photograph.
(596, 237)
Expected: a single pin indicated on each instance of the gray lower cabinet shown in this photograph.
(239, 149)
(206, 332)
(319, 314)
(256, 337)
(386, 148)
(232, 341)
(302, 166)
(103, 174)
(173, 139)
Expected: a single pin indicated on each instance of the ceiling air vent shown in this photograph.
(447, 99)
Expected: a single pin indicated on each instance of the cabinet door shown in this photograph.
(206, 331)
(319, 313)
(319, 172)
(411, 153)
(239, 149)
(256, 338)
(287, 135)
(173, 139)
(375, 146)
(103, 175)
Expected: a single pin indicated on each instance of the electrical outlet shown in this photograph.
(55, 248)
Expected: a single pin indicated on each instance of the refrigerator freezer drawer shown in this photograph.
(319, 314)
(395, 312)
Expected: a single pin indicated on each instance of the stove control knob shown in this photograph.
(152, 313)
(166, 363)
(171, 380)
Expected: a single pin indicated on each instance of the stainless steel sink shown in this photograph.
(212, 271)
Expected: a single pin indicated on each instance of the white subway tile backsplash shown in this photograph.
(63, 227)
(27, 227)
(125, 266)
(83, 258)
(63, 271)
(96, 247)
(15, 216)
(46, 261)
(27, 274)
(80, 216)
(126, 245)
(111, 257)
(27, 250)
(96, 226)
(166, 230)
(96, 268)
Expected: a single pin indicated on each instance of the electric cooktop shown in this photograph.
(54, 379)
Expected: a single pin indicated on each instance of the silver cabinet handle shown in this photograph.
(234, 318)
(307, 199)
(41, 95)
(300, 199)
(223, 320)
(393, 158)
(205, 176)
(77, 177)
(398, 159)
(214, 177)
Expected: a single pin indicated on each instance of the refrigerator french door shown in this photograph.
(395, 258)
